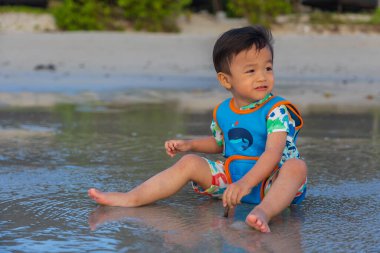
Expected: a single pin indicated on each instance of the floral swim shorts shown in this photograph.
(219, 180)
(219, 183)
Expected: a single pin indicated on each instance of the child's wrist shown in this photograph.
(190, 145)
(246, 182)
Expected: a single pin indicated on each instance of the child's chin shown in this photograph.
(259, 97)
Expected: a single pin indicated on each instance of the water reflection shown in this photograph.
(203, 229)
(50, 157)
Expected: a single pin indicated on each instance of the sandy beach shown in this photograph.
(93, 109)
(313, 70)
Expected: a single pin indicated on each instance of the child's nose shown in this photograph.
(261, 76)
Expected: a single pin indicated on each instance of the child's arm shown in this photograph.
(264, 166)
(202, 145)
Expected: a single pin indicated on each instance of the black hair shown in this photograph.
(236, 40)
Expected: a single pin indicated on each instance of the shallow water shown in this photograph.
(50, 157)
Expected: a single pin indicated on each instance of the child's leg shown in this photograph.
(162, 185)
(282, 192)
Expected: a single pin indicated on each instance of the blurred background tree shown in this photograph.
(162, 15)
(154, 16)
(259, 11)
(75, 15)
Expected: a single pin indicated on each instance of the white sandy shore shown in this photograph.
(334, 71)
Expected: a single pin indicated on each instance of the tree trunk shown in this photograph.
(217, 6)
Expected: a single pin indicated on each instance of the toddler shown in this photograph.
(255, 130)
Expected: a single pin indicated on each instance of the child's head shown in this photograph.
(243, 60)
(237, 40)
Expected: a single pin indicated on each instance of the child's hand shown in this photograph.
(234, 193)
(174, 146)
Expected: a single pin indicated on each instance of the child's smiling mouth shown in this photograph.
(261, 88)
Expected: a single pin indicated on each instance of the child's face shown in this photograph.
(251, 77)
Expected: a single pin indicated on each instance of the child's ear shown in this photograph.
(224, 80)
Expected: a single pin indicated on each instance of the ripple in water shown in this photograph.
(44, 180)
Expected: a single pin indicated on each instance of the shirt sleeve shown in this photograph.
(217, 133)
(278, 120)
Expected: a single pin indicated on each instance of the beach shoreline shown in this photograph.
(313, 70)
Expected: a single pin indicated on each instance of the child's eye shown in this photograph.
(269, 68)
(250, 71)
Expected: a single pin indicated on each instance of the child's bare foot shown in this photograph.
(108, 198)
(258, 220)
(99, 197)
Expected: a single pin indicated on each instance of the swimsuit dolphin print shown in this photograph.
(240, 136)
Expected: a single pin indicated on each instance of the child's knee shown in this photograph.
(190, 161)
(189, 158)
(295, 166)
(196, 168)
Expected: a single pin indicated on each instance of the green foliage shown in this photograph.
(157, 15)
(22, 9)
(376, 17)
(75, 15)
(259, 11)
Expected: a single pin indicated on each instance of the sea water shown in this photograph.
(50, 157)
